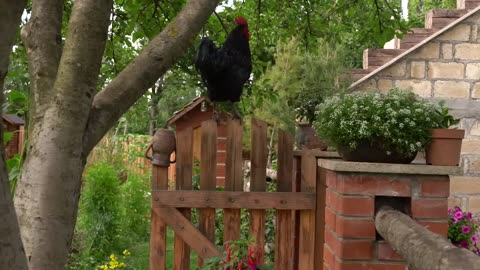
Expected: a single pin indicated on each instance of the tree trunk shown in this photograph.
(12, 255)
(49, 188)
(75, 119)
(421, 248)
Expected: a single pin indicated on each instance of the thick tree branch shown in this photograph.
(154, 60)
(12, 255)
(81, 60)
(43, 41)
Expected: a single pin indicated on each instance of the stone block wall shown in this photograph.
(447, 68)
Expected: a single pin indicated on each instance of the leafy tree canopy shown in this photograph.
(353, 24)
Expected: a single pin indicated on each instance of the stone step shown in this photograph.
(467, 4)
(359, 73)
(423, 30)
(417, 36)
(373, 58)
(439, 18)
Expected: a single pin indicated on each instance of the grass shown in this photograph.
(139, 260)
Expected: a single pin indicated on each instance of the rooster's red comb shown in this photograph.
(241, 21)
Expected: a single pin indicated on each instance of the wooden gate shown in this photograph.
(298, 202)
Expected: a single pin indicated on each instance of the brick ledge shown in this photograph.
(346, 166)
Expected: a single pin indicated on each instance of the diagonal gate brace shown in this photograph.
(187, 231)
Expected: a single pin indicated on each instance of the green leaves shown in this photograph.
(442, 117)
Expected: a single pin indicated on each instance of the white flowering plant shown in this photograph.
(399, 120)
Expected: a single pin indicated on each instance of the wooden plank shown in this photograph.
(320, 216)
(188, 232)
(183, 181)
(208, 164)
(234, 199)
(158, 228)
(306, 256)
(258, 165)
(297, 180)
(233, 178)
(284, 223)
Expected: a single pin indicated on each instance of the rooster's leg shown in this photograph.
(236, 112)
(215, 114)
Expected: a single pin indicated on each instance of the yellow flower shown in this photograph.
(121, 265)
(104, 267)
(126, 252)
(112, 257)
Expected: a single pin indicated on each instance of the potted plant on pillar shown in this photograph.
(445, 143)
(376, 127)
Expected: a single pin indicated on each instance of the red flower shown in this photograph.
(240, 264)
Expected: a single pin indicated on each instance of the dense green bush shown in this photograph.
(113, 216)
(135, 207)
(98, 222)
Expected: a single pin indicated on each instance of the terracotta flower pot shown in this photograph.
(445, 146)
(308, 137)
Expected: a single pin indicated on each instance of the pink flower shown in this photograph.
(474, 239)
(459, 214)
(464, 244)
(449, 210)
(469, 216)
(466, 229)
(454, 219)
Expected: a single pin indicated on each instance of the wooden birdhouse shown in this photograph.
(13, 123)
(192, 116)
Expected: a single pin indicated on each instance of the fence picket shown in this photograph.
(258, 164)
(233, 178)
(158, 237)
(284, 231)
(306, 258)
(208, 164)
(184, 163)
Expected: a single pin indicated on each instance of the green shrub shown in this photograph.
(99, 218)
(135, 207)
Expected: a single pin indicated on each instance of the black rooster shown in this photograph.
(225, 70)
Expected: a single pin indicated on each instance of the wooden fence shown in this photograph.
(298, 202)
(128, 151)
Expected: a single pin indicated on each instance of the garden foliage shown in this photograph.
(399, 120)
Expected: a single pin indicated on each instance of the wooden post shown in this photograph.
(163, 144)
(183, 181)
(306, 256)
(321, 195)
(233, 178)
(296, 187)
(208, 165)
(284, 242)
(258, 177)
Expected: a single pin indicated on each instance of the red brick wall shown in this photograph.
(350, 236)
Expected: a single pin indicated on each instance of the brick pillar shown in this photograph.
(353, 191)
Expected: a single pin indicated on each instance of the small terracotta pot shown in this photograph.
(163, 145)
(308, 137)
(445, 146)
